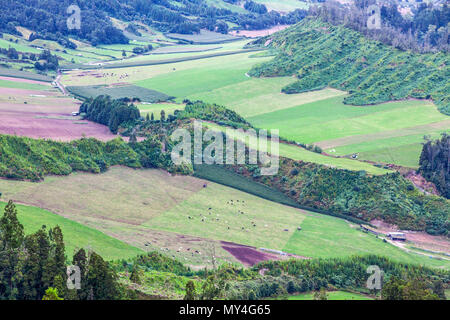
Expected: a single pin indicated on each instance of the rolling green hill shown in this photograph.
(322, 55)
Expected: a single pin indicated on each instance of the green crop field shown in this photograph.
(117, 92)
(75, 235)
(332, 295)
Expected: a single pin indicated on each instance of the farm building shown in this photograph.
(396, 236)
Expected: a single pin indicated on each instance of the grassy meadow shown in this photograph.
(75, 234)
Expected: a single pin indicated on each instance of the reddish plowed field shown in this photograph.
(248, 256)
(45, 114)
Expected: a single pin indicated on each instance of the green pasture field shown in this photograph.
(226, 177)
(321, 235)
(378, 133)
(75, 235)
(301, 154)
(332, 295)
(208, 74)
(325, 236)
(226, 222)
(144, 75)
(22, 85)
(156, 108)
(117, 92)
(375, 131)
(177, 51)
(403, 150)
(18, 46)
(253, 97)
(330, 119)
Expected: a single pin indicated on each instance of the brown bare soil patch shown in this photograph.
(248, 256)
(417, 239)
(421, 183)
(45, 114)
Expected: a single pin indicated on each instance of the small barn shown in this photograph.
(397, 236)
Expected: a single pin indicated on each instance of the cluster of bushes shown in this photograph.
(47, 61)
(435, 163)
(211, 112)
(322, 55)
(33, 267)
(112, 113)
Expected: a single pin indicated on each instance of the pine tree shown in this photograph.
(12, 233)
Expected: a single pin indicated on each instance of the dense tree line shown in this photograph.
(47, 18)
(435, 163)
(111, 113)
(255, 7)
(427, 30)
(32, 159)
(32, 264)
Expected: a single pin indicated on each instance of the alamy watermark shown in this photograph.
(74, 20)
(374, 282)
(223, 148)
(374, 18)
(73, 277)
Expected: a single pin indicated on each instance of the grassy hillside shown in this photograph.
(322, 55)
(150, 210)
(75, 235)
